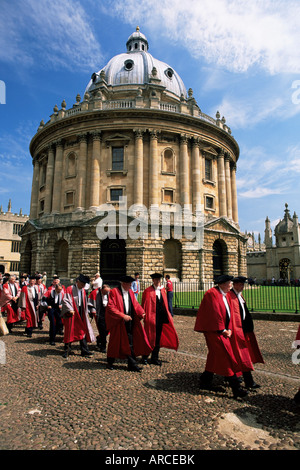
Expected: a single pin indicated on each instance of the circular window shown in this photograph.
(169, 73)
(128, 64)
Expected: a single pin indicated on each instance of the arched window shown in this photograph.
(168, 161)
(71, 165)
(61, 250)
(220, 260)
(172, 258)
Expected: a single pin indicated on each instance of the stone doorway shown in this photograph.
(112, 259)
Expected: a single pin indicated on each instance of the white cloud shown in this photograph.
(234, 34)
(263, 176)
(57, 34)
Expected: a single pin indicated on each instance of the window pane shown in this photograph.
(209, 203)
(168, 196)
(115, 194)
(207, 169)
(117, 158)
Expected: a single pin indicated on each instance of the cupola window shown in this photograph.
(128, 64)
(169, 73)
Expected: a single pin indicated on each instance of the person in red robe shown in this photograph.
(74, 312)
(158, 322)
(98, 300)
(54, 283)
(9, 302)
(123, 315)
(41, 290)
(244, 322)
(227, 351)
(28, 302)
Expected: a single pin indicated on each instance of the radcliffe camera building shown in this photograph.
(137, 134)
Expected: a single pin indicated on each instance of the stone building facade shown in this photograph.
(138, 140)
(278, 258)
(11, 225)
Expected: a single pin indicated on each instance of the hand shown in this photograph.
(127, 318)
(226, 333)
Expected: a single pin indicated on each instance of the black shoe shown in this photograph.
(252, 386)
(145, 362)
(66, 354)
(239, 392)
(52, 343)
(135, 368)
(87, 354)
(156, 362)
(110, 367)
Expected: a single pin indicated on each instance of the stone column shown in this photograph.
(154, 192)
(95, 175)
(81, 174)
(184, 170)
(57, 183)
(234, 194)
(138, 186)
(221, 185)
(228, 187)
(35, 189)
(49, 180)
(196, 174)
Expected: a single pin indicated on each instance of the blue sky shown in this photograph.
(240, 57)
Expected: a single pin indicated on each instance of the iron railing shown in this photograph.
(259, 298)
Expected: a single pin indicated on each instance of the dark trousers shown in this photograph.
(83, 346)
(55, 323)
(170, 302)
(101, 340)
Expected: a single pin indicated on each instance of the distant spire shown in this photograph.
(9, 206)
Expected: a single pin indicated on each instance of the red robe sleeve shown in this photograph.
(211, 315)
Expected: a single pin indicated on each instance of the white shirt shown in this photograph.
(126, 299)
(33, 291)
(13, 289)
(242, 301)
(225, 301)
(157, 291)
(97, 283)
(79, 297)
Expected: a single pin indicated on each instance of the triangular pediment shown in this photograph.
(28, 228)
(221, 224)
(117, 137)
(210, 151)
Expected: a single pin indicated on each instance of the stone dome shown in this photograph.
(138, 67)
(286, 224)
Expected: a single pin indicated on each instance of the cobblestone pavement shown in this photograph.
(50, 403)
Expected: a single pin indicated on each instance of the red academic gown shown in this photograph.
(169, 337)
(75, 327)
(118, 346)
(249, 336)
(26, 302)
(226, 356)
(13, 315)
